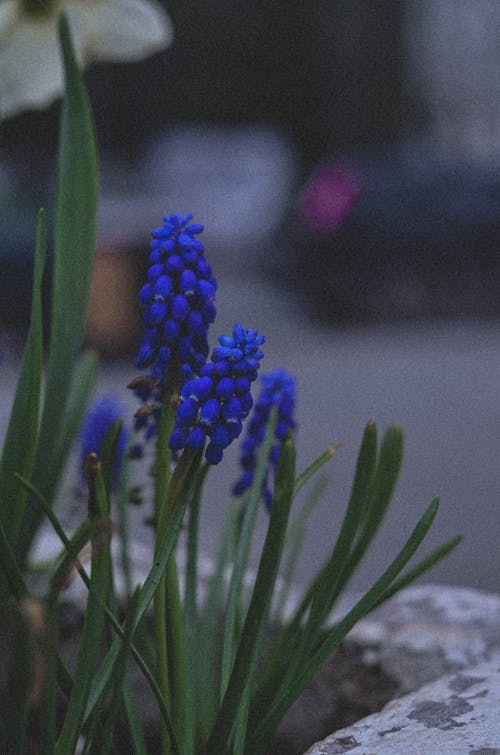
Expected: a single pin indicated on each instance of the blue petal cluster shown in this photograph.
(214, 405)
(96, 424)
(177, 304)
(278, 390)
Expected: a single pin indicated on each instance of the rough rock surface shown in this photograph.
(429, 630)
(417, 637)
(456, 714)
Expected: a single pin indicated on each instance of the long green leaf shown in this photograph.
(381, 491)
(75, 235)
(191, 617)
(231, 638)
(260, 603)
(21, 440)
(293, 548)
(330, 579)
(10, 569)
(119, 674)
(315, 466)
(208, 629)
(21, 679)
(427, 563)
(94, 615)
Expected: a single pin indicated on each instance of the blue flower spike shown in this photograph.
(278, 390)
(214, 405)
(177, 304)
(97, 423)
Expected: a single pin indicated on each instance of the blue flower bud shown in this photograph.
(214, 453)
(225, 388)
(188, 282)
(186, 413)
(180, 307)
(177, 439)
(209, 412)
(196, 437)
(96, 424)
(163, 286)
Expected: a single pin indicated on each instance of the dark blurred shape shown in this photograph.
(421, 239)
(330, 74)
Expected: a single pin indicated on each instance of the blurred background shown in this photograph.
(344, 156)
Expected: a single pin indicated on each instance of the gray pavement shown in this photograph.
(439, 380)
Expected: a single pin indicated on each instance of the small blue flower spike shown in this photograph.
(214, 405)
(97, 422)
(278, 389)
(177, 304)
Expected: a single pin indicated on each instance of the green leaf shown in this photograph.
(191, 617)
(208, 629)
(314, 466)
(10, 569)
(21, 680)
(119, 674)
(75, 236)
(260, 603)
(94, 615)
(108, 451)
(381, 490)
(251, 506)
(427, 563)
(293, 548)
(332, 577)
(21, 440)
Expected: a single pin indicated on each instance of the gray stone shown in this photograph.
(432, 633)
(430, 630)
(456, 714)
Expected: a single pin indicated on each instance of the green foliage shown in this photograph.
(74, 246)
(22, 433)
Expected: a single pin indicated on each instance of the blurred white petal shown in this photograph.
(31, 73)
(30, 67)
(119, 30)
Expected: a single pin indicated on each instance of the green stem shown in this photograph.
(169, 624)
(162, 484)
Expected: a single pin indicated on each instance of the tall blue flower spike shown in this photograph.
(177, 304)
(278, 390)
(97, 422)
(214, 405)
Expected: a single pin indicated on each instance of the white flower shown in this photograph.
(31, 74)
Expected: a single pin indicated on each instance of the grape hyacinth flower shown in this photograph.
(215, 404)
(177, 304)
(98, 421)
(278, 390)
